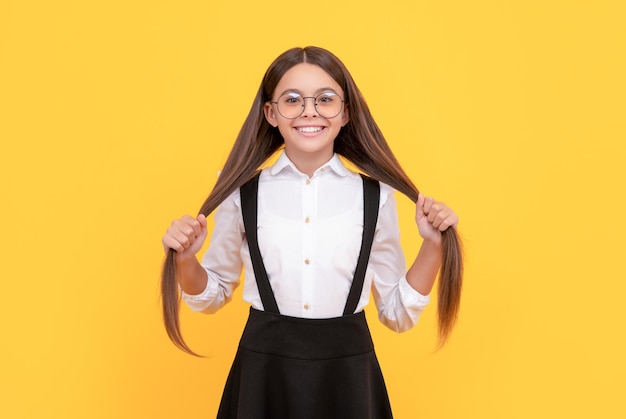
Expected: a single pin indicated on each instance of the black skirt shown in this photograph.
(294, 368)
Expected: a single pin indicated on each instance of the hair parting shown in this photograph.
(360, 141)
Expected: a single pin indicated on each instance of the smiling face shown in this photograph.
(309, 138)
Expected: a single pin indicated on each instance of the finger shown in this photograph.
(203, 228)
(428, 203)
(183, 231)
(190, 227)
(192, 222)
(419, 207)
(202, 221)
(435, 209)
(440, 215)
(170, 243)
(182, 238)
(451, 220)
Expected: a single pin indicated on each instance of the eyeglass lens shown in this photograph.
(327, 104)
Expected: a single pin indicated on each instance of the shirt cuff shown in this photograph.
(410, 296)
(199, 302)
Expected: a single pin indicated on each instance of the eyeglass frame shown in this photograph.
(304, 98)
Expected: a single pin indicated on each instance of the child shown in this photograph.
(313, 239)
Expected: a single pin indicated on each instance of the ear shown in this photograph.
(270, 116)
(346, 116)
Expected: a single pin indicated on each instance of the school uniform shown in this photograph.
(311, 250)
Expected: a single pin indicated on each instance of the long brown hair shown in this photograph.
(360, 141)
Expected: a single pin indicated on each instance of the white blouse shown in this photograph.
(309, 233)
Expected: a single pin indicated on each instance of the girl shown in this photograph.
(313, 239)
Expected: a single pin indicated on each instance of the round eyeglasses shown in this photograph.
(291, 105)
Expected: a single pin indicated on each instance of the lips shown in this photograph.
(310, 130)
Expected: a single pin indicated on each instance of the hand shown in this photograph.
(433, 217)
(186, 235)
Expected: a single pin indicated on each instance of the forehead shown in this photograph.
(307, 79)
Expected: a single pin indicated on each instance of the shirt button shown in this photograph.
(307, 219)
(306, 306)
(306, 261)
(308, 181)
(323, 169)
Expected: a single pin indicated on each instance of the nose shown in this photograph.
(309, 107)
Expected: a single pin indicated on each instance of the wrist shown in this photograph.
(434, 243)
(185, 258)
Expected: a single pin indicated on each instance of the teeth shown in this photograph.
(309, 129)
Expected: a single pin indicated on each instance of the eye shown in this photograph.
(291, 99)
(326, 98)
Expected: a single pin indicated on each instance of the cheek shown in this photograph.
(285, 131)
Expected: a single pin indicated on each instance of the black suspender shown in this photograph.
(249, 207)
(371, 199)
(249, 210)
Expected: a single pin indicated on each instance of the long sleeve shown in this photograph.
(399, 305)
(222, 260)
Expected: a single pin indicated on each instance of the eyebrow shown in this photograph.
(317, 92)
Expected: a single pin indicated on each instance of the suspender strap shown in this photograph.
(249, 211)
(249, 208)
(371, 200)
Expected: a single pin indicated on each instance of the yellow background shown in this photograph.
(116, 115)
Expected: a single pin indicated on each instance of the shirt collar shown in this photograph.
(334, 164)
